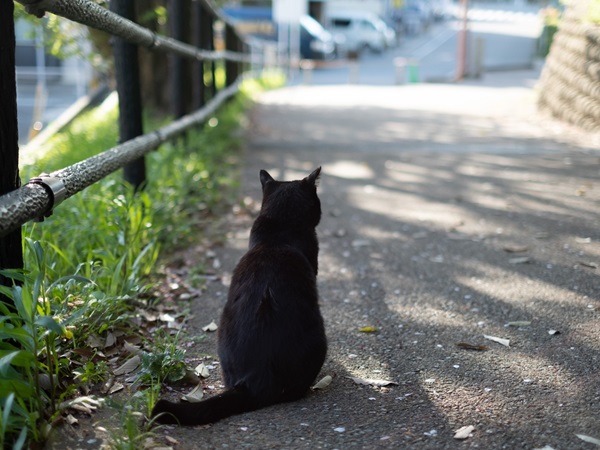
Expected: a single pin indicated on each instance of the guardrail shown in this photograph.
(42, 194)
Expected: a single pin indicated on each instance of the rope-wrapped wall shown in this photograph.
(570, 82)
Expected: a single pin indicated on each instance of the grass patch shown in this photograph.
(91, 268)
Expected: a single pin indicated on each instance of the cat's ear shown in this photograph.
(313, 178)
(265, 178)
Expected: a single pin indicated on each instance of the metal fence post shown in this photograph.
(11, 250)
(210, 42)
(198, 85)
(127, 74)
(207, 42)
(177, 64)
(231, 44)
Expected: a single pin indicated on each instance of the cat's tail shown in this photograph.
(229, 403)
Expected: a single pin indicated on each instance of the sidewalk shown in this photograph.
(450, 212)
(59, 96)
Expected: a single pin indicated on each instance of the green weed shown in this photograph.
(90, 264)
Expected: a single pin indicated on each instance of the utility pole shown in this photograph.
(461, 51)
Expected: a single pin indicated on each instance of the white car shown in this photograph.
(360, 31)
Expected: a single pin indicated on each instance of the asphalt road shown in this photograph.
(507, 35)
(450, 213)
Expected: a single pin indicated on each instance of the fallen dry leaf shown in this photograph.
(195, 395)
(373, 382)
(588, 264)
(71, 420)
(323, 383)
(116, 388)
(515, 248)
(83, 404)
(110, 340)
(210, 327)
(202, 371)
(95, 341)
(505, 342)
(170, 439)
(520, 260)
(468, 346)
(130, 348)
(464, 432)
(368, 329)
(128, 366)
(590, 439)
(150, 317)
(166, 317)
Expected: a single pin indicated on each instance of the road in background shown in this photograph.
(51, 101)
(508, 32)
(509, 35)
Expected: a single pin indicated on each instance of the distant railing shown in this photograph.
(42, 194)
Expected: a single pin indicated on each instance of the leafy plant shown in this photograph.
(165, 363)
(91, 263)
(133, 434)
(92, 372)
(29, 350)
(11, 423)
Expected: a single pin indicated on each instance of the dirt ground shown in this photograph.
(451, 214)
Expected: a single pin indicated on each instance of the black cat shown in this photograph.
(271, 340)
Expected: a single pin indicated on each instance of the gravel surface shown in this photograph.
(449, 211)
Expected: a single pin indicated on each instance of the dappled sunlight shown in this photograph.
(405, 172)
(444, 221)
(523, 381)
(386, 199)
(349, 169)
(392, 204)
(427, 315)
(513, 288)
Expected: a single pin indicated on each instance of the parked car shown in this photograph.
(315, 41)
(256, 21)
(360, 31)
(414, 17)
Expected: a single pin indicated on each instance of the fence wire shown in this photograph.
(35, 199)
(93, 15)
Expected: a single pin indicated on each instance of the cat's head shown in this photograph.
(295, 202)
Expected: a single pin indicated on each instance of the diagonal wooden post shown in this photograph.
(11, 250)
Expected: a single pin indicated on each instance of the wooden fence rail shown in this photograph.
(41, 195)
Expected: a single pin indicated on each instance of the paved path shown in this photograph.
(449, 212)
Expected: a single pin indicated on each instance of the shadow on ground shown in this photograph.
(439, 227)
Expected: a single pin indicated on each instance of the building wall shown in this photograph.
(379, 7)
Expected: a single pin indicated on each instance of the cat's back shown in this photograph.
(283, 269)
